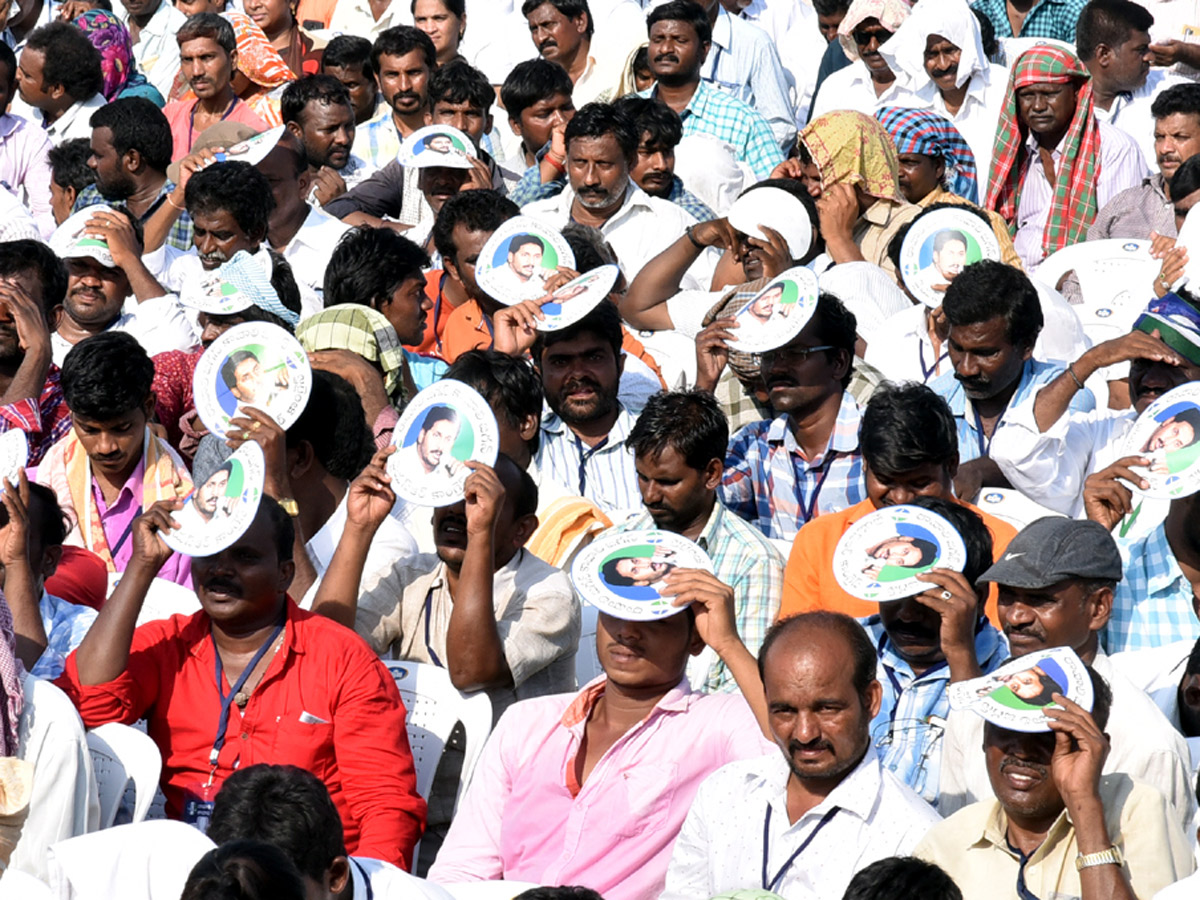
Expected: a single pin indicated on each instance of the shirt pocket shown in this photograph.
(646, 792)
(305, 739)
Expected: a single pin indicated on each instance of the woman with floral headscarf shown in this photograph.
(111, 40)
(848, 164)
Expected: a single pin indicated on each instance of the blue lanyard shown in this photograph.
(428, 615)
(584, 456)
(927, 372)
(227, 700)
(366, 880)
(985, 443)
(809, 510)
(771, 885)
(437, 311)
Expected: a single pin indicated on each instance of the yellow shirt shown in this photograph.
(972, 847)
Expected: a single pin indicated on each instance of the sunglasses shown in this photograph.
(862, 36)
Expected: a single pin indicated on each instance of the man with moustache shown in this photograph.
(1058, 826)
(403, 58)
(1056, 581)
(562, 32)
(317, 110)
(803, 821)
(868, 83)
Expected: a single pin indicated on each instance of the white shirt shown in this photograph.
(16, 223)
(720, 847)
(75, 122)
(1158, 671)
(642, 228)
(1187, 889)
(156, 51)
(64, 802)
(355, 17)
(310, 249)
(391, 543)
(1131, 112)
(159, 324)
(905, 351)
(977, 117)
(373, 878)
(1144, 747)
(852, 88)
(1121, 167)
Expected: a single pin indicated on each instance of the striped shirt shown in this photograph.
(604, 474)
(770, 484)
(180, 235)
(1153, 604)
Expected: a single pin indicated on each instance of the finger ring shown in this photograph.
(1163, 281)
(257, 425)
(946, 595)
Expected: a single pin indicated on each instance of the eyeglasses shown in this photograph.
(789, 355)
(862, 36)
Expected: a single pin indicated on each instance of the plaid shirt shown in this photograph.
(66, 625)
(712, 111)
(770, 484)
(907, 732)
(180, 235)
(376, 140)
(43, 422)
(1153, 602)
(1047, 19)
(748, 563)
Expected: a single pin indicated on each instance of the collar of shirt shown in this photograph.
(991, 649)
(160, 23)
(319, 231)
(195, 637)
(960, 406)
(9, 124)
(552, 424)
(843, 438)
(70, 114)
(995, 832)
(1158, 183)
(722, 31)
(131, 489)
(704, 540)
(1166, 577)
(635, 199)
(574, 719)
(976, 95)
(880, 212)
(856, 794)
(1031, 148)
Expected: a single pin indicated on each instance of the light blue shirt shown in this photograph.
(65, 625)
(1152, 605)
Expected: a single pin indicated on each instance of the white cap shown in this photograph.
(777, 209)
(70, 241)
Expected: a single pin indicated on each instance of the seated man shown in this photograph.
(1056, 584)
(317, 110)
(59, 82)
(868, 82)
(348, 59)
(320, 700)
(33, 284)
(926, 643)
(995, 317)
(110, 466)
(102, 247)
(1058, 826)
(784, 472)
(909, 450)
(678, 444)
(291, 809)
(818, 677)
(47, 628)
(591, 788)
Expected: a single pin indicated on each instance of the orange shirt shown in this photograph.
(432, 343)
(467, 327)
(808, 581)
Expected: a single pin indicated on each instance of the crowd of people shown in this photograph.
(926, 257)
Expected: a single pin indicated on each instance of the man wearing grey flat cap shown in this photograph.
(1056, 582)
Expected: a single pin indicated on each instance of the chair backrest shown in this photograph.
(587, 663)
(1012, 506)
(121, 755)
(1115, 279)
(434, 706)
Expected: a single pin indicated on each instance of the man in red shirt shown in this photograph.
(251, 678)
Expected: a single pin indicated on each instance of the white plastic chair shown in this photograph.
(121, 755)
(163, 600)
(1012, 506)
(587, 663)
(434, 706)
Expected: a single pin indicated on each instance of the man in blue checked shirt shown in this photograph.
(925, 644)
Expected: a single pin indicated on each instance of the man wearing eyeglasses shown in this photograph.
(868, 83)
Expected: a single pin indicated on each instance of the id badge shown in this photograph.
(198, 803)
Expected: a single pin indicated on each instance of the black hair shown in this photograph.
(987, 33)
(282, 528)
(572, 9)
(285, 806)
(901, 877)
(836, 326)
(106, 375)
(942, 238)
(229, 367)
(137, 124)
(906, 426)
(970, 527)
(460, 82)
(1102, 699)
(863, 659)
(691, 423)
(1190, 416)
(651, 117)
(236, 188)
(831, 7)
(1178, 99)
(284, 282)
(208, 25)
(604, 322)
(532, 81)
(596, 120)
(475, 211)
(436, 414)
(525, 498)
(797, 189)
(1190, 668)
(897, 242)
(683, 11)
(588, 246)
(244, 870)
(402, 40)
(346, 51)
(1186, 179)
(8, 59)
(641, 61)
(34, 257)
(1108, 22)
(368, 264)
(335, 426)
(989, 289)
(523, 240)
(324, 89)
(612, 575)
(455, 7)
(508, 383)
(68, 164)
(560, 892)
(51, 524)
(68, 59)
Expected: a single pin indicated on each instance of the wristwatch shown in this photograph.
(1111, 856)
(290, 506)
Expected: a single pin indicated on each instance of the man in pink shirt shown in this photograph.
(592, 788)
(24, 151)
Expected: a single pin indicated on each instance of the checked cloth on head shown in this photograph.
(1074, 205)
(927, 133)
